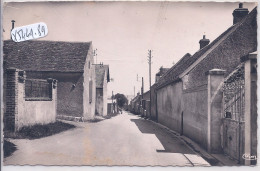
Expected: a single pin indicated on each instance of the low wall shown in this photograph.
(169, 103)
(195, 115)
(25, 111)
(153, 103)
(35, 111)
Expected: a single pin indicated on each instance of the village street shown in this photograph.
(125, 139)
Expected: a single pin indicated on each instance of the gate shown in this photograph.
(233, 114)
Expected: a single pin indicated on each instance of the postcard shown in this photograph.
(129, 83)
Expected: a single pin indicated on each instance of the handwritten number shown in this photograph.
(39, 31)
(43, 30)
(28, 33)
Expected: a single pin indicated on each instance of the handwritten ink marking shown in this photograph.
(249, 157)
(29, 32)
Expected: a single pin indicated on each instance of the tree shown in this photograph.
(121, 99)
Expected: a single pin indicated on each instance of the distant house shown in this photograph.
(135, 104)
(146, 104)
(70, 63)
(102, 78)
(112, 107)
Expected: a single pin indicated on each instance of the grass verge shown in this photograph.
(39, 131)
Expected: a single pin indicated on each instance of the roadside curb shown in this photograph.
(192, 145)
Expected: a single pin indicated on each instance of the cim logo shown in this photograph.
(249, 157)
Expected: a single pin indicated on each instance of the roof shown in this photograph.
(41, 55)
(173, 74)
(136, 98)
(100, 74)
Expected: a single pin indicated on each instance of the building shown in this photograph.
(112, 107)
(160, 73)
(70, 63)
(135, 104)
(28, 102)
(145, 108)
(102, 78)
(190, 94)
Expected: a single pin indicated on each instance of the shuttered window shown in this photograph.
(90, 91)
(38, 90)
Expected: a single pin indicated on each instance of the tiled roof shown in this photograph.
(46, 55)
(172, 75)
(100, 73)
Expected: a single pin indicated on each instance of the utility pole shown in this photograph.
(150, 62)
(95, 54)
(134, 91)
(112, 96)
(142, 89)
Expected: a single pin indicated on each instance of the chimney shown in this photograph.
(12, 27)
(204, 42)
(239, 13)
(13, 24)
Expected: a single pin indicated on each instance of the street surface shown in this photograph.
(125, 139)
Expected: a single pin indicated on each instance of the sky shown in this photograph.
(123, 32)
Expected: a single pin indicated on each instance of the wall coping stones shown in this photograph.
(215, 72)
(252, 56)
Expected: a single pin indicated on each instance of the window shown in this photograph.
(88, 64)
(38, 90)
(90, 91)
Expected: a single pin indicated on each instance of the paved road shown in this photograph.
(122, 140)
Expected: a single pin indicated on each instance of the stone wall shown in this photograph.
(169, 102)
(69, 91)
(19, 111)
(153, 103)
(195, 113)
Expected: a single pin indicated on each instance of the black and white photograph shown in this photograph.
(129, 83)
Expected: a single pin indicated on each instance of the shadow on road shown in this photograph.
(9, 148)
(98, 118)
(170, 142)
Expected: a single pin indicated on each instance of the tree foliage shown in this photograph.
(121, 99)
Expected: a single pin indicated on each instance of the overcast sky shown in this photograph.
(124, 31)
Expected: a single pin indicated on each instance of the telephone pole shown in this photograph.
(150, 62)
(142, 89)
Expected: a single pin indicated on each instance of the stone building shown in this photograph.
(102, 78)
(189, 94)
(71, 63)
